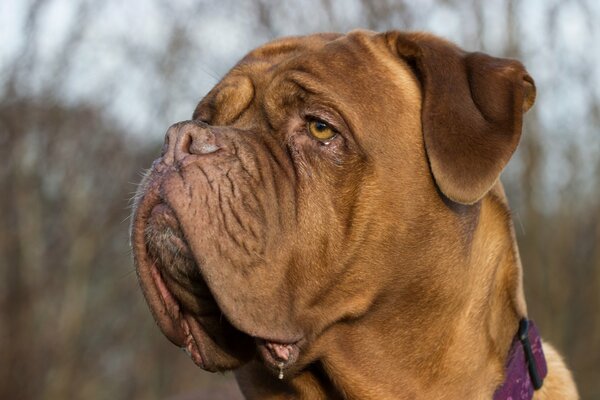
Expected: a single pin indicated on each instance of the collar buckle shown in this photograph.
(534, 373)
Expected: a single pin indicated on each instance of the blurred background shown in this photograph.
(87, 90)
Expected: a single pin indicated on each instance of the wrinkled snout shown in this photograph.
(211, 218)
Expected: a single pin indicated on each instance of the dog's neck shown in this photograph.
(449, 341)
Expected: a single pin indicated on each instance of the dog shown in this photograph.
(330, 224)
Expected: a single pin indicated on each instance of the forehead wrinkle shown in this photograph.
(235, 98)
(285, 47)
(302, 84)
(317, 78)
(305, 80)
(288, 56)
(278, 94)
(318, 92)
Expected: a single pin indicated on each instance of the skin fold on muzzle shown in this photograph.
(330, 224)
(200, 208)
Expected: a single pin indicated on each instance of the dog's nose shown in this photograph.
(188, 137)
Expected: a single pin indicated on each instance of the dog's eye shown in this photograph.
(320, 130)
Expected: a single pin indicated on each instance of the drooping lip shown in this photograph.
(179, 326)
(143, 263)
(192, 332)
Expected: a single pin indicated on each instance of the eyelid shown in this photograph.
(324, 118)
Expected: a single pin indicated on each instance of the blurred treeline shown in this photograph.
(86, 91)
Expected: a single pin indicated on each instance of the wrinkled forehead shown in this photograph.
(277, 52)
(354, 72)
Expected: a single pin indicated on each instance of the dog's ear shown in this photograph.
(472, 111)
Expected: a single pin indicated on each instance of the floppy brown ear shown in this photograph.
(472, 111)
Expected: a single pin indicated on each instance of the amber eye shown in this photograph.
(320, 130)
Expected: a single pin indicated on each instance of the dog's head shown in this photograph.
(312, 180)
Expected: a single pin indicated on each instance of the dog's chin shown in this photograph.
(183, 306)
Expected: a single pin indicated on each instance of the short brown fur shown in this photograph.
(387, 254)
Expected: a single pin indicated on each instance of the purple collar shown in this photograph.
(525, 366)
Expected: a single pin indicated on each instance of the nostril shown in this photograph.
(203, 148)
(202, 142)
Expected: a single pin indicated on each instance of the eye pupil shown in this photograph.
(320, 126)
